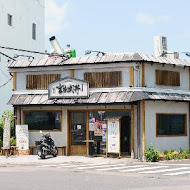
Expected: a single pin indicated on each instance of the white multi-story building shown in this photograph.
(22, 25)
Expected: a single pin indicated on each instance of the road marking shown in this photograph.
(71, 165)
(66, 164)
(122, 167)
(166, 170)
(163, 164)
(177, 173)
(84, 165)
(99, 166)
(143, 168)
(45, 166)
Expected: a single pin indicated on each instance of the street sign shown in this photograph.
(22, 138)
(113, 136)
(6, 133)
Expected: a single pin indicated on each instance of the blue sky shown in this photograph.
(118, 26)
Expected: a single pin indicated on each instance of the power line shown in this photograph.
(7, 56)
(28, 51)
(3, 73)
(6, 83)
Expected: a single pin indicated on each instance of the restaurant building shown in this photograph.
(119, 103)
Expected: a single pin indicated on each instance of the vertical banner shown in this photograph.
(22, 139)
(6, 133)
(113, 136)
(98, 129)
(104, 132)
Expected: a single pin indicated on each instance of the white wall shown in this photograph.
(125, 74)
(150, 80)
(19, 35)
(165, 143)
(21, 76)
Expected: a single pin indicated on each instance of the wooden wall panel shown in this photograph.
(143, 128)
(167, 78)
(104, 79)
(72, 73)
(14, 81)
(40, 82)
(131, 77)
(132, 129)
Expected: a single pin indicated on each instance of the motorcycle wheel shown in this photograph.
(42, 156)
(55, 153)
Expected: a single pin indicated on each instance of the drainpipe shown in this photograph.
(138, 130)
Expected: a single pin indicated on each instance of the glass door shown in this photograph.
(78, 133)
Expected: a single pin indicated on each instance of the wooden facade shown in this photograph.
(167, 78)
(104, 79)
(14, 81)
(40, 82)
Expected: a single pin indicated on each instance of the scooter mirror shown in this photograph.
(40, 131)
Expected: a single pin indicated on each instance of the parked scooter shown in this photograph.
(46, 146)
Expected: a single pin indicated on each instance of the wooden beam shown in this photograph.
(68, 133)
(18, 115)
(14, 81)
(72, 73)
(189, 78)
(87, 134)
(143, 128)
(132, 129)
(143, 75)
(131, 76)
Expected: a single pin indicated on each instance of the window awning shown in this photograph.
(100, 98)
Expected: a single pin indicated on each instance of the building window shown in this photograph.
(43, 120)
(104, 79)
(10, 19)
(167, 78)
(171, 124)
(40, 82)
(33, 31)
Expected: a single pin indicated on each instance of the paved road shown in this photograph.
(101, 176)
(163, 169)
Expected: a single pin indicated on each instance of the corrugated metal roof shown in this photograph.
(107, 58)
(117, 97)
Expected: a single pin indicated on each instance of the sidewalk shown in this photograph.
(35, 160)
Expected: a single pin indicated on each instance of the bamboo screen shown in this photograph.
(167, 78)
(40, 82)
(104, 79)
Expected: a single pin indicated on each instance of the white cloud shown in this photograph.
(146, 19)
(55, 17)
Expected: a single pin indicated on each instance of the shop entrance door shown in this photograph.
(125, 137)
(78, 133)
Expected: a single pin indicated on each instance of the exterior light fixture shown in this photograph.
(87, 52)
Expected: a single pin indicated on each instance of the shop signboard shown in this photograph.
(6, 133)
(113, 136)
(68, 88)
(22, 138)
(104, 132)
(91, 126)
(98, 129)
